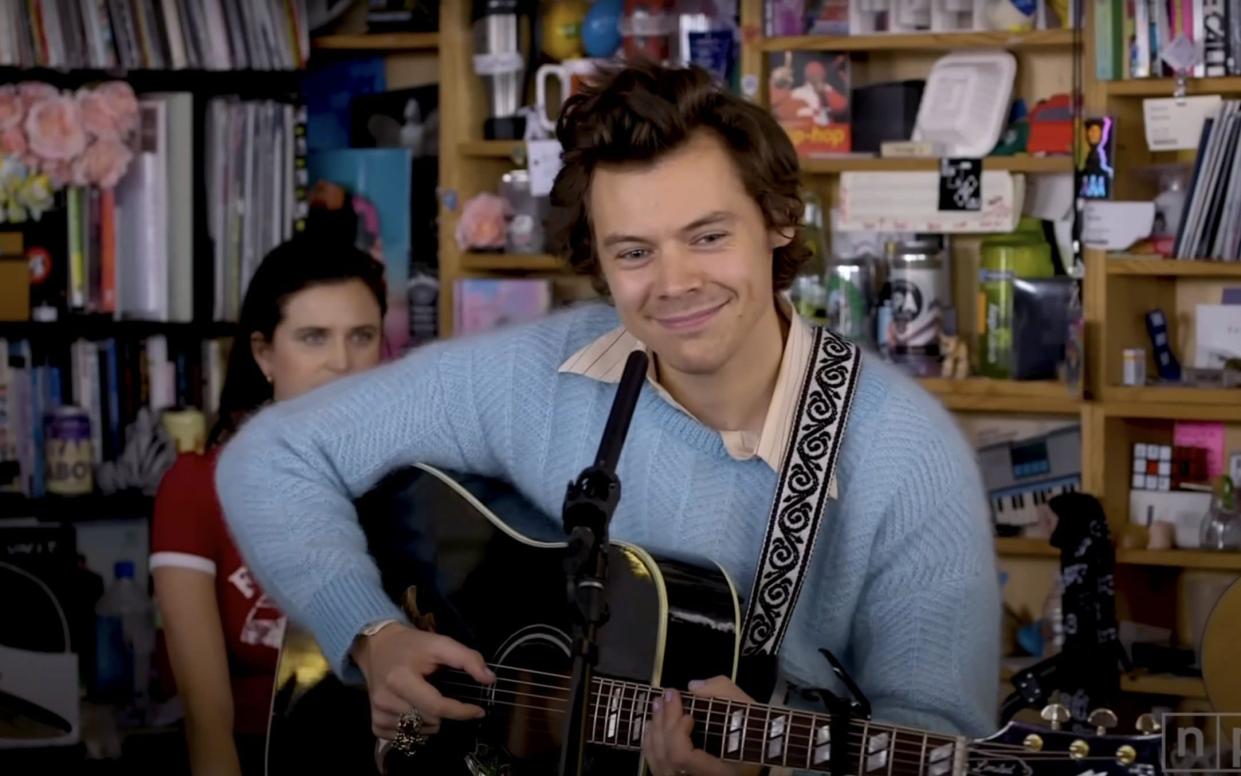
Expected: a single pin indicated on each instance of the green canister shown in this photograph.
(1022, 254)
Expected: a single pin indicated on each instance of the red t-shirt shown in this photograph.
(189, 532)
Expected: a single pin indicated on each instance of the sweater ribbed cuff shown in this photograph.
(340, 610)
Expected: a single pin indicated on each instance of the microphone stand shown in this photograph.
(588, 507)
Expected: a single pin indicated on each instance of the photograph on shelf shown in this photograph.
(809, 93)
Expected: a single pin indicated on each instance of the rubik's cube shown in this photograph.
(1152, 467)
(1189, 465)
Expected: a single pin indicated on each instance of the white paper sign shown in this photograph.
(1115, 226)
(1175, 124)
(543, 161)
(1218, 334)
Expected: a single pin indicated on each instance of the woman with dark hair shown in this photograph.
(313, 312)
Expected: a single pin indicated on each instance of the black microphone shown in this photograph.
(588, 506)
(617, 427)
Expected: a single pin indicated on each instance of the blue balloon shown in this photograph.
(601, 28)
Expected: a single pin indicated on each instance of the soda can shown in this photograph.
(1135, 366)
(187, 428)
(67, 448)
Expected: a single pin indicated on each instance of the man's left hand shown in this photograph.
(666, 744)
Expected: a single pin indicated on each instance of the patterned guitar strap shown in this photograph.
(802, 492)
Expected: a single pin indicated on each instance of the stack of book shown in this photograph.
(1211, 225)
(180, 235)
(155, 34)
(110, 379)
(1131, 36)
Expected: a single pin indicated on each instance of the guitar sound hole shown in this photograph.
(527, 704)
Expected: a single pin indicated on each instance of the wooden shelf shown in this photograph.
(511, 262)
(387, 41)
(1126, 264)
(1172, 403)
(1163, 87)
(1021, 547)
(1163, 684)
(1135, 682)
(492, 149)
(981, 394)
(1026, 164)
(923, 41)
(1186, 559)
(94, 326)
(77, 509)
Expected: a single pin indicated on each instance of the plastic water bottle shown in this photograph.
(125, 640)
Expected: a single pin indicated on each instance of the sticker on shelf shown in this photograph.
(960, 184)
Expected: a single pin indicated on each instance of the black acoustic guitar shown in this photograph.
(471, 559)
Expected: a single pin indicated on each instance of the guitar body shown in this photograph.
(470, 559)
(1219, 652)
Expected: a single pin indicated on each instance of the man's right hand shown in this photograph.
(396, 662)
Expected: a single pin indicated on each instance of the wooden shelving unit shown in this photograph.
(981, 394)
(1185, 559)
(377, 42)
(1173, 403)
(1163, 684)
(511, 262)
(492, 149)
(1157, 266)
(1020, 547)
(1156, 586)
(1023, 163)
(925, 41)
(1164, 87)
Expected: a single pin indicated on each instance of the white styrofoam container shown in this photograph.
(966, 101)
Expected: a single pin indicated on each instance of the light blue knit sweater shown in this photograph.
(902, 587)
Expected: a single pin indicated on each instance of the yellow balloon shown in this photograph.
(562, 29)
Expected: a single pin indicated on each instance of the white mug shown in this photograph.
(572, 74)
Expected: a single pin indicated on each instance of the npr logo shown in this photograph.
(1202, 743)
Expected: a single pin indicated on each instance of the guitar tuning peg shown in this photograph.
(1103, 720)
(1056, 715)
(1148, 725)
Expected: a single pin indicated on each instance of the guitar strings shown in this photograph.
(714, 725)
(918, 764)
(737, 705)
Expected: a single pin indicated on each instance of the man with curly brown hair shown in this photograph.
(682, 201)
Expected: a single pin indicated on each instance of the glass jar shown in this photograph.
(1221, 525)
(525, 228)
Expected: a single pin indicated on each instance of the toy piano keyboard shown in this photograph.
(1024, 474)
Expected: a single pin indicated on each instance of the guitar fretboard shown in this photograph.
(769, 735)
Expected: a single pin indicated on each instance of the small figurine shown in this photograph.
(956, 363)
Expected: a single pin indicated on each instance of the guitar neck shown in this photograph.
(758, 734)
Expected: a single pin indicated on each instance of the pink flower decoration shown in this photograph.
(35, 91)
(60, 173)
(13, 141)
(102, 164)
(483, 222)
(54, 129)
(97, 118)
(119, 99)
(11, 108)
